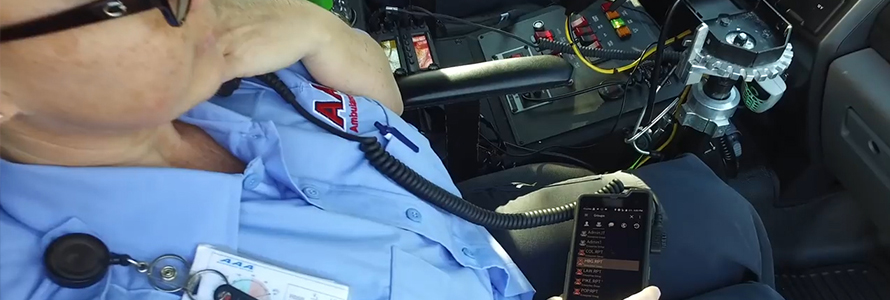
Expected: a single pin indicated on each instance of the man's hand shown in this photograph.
(649, 293)
(258, 36)
(262, 36)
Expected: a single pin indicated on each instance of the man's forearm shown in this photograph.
(346, 59)
(354, 63)
(261, 36)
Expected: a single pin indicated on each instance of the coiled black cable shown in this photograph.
(616, 54)
(660, 55)
(730, 161)
(405, 177)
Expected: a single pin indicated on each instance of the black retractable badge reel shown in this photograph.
(80, 260)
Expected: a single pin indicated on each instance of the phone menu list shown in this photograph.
(607, 262)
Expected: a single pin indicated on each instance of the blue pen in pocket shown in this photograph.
(390, 132)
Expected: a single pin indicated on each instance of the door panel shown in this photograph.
(856, 130)
(880, 34)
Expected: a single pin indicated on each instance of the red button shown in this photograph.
(607, 6)
(580, 22)
(546, 34)
(587, 40)
(583, 31)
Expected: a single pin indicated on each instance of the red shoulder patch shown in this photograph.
(332, 109)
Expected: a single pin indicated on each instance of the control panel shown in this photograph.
(625, 28)
(408, 45)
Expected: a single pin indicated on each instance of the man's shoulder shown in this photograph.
(257, 101)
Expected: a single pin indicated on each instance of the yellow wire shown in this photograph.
(670, 138)
(673, 132)
(619, 69)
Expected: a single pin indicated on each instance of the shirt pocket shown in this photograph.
(424, 161)
(414, 278)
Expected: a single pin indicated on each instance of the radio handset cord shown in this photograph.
(408, 179)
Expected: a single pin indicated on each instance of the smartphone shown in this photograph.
(609, 256)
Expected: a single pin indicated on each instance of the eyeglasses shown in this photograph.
(174, 11)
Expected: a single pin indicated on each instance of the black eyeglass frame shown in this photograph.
(94, 12)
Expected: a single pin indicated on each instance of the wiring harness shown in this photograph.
(615, 54)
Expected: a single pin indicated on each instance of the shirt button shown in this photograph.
(311, 192)
(469, 253)
(251, 181)
(414, 215)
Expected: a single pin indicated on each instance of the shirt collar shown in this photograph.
(180, 206)
(232, 129)
(214, 118)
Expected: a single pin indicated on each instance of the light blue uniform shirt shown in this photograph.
(308, 201)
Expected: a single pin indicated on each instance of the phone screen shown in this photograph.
(609, 258)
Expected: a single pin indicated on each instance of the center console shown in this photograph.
(529, 118)
(533, 122)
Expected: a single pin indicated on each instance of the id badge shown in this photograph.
(262, 281)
